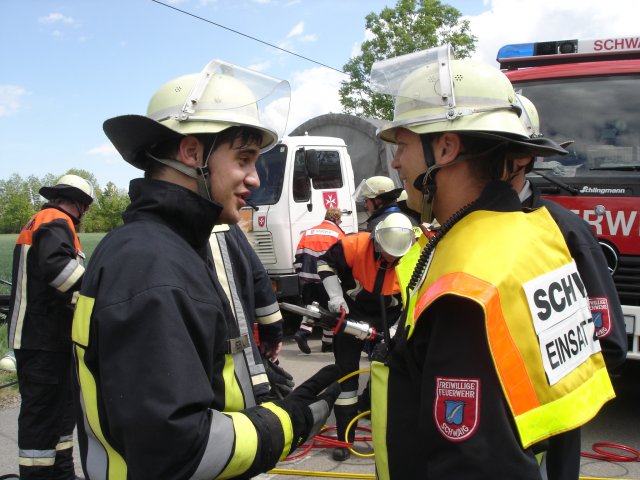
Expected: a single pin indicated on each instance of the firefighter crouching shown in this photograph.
(359, 277)
(153, 330)
(491, 357)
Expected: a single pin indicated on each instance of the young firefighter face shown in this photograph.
(233, 175)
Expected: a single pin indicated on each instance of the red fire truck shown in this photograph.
(588, 91)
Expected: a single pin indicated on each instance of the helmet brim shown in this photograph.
(130, 134)
(67, 191)
(538, 146)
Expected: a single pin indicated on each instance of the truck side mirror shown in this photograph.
(311, 163)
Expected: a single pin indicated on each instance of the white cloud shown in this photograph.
(107, 152)
(314, 92)
(103, 150)
(311, 37)
(260, 67)
(298, 29)
(522, 21)
(55, 17)
(10, 96)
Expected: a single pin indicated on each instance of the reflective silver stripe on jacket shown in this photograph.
(220, 447)
(224, 271)
(16, 321)
(69, 275)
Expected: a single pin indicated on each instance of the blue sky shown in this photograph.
(67, 65)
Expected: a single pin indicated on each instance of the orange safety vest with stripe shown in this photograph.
(45, 216)
(313, 243)
(536, 315)
(33, 295)
(360, 256)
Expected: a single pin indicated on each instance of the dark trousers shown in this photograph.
(46, 420)
(347, 351)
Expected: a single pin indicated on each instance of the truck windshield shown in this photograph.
(600, 116)
(270, 167)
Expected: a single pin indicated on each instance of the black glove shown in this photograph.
(280, 380)
(308, 406)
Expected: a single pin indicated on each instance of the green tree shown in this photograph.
(16, 204)
(106, 213)
(412, 26)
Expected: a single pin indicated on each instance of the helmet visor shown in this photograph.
(362, 191)
(395, 241)
(425, 92)
(254, 100)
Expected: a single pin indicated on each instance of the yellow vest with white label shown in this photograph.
(537, 317)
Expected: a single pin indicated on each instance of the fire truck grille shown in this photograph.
(262, 243)
(627, 280)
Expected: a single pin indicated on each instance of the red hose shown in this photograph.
(325, 441)
(608, 456)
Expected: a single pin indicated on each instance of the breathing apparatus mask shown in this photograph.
(203, 105)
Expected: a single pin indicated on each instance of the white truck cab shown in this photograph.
(300, 178)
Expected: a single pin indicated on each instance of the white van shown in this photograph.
(299, 179)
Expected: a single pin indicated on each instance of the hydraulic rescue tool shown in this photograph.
(337, 322)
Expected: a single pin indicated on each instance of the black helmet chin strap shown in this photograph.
(200, 174)
(426, 182)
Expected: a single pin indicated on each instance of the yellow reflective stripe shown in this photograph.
(269, 319)
(287, 426)
(233, 398)
(246, 446)
(574, 409)
(117, 467)
(69, 276)
(259, 379)
(82, 320)
(36, 462)
(64, 445)
(379, 395)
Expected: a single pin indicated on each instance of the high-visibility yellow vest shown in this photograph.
(537, 318)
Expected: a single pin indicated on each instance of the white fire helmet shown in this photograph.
(529, 116)
(436, 94)
(221, 96)
(373, 187)
(70, 186)
(8, 362)
(394, 235)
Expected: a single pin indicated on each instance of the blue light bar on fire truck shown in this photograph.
(566, 51)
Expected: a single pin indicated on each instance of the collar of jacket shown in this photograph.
(75, 220)
(187, 213)
(498, 196)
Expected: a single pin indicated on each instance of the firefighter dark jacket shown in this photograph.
(497, 351)
(150, 340)
(47, 270)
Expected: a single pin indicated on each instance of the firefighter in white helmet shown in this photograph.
(358, 274)
(379, 195)
(478, 371)
(48, 265)
(165, 393)
(561, 460)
